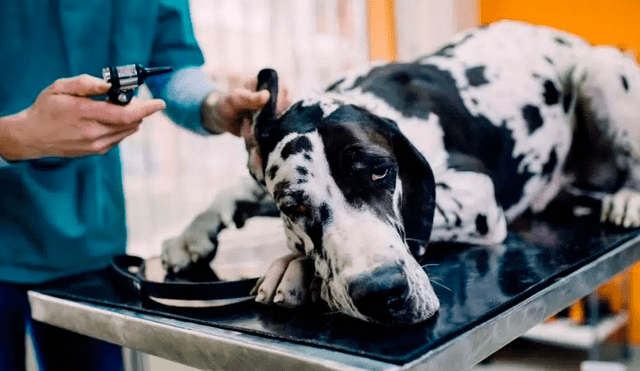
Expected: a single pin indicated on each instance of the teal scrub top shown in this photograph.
(61, 216)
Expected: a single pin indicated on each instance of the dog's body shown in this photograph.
(451, 147)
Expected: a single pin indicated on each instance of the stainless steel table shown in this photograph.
(540, 270)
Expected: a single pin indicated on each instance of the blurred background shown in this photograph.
(171, 174)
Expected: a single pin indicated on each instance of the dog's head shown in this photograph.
(356, 197)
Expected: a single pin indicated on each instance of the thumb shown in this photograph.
(260, 98)
(81, 86)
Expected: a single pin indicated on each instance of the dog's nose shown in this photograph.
(380, 294)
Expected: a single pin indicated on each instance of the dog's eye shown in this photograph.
(379, 174)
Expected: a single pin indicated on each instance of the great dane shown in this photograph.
(450, 147)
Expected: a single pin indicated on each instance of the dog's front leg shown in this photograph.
(287, 281)
(199, 241)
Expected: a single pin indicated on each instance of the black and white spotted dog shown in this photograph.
(451, 147)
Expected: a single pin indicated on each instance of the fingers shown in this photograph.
(112, 114)
(99, 139)
(250, 84)
(247, 100)
(81, 86)
(105, 143)
(284, 101)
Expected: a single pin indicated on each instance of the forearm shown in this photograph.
(185, 92)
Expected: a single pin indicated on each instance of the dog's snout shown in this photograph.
(380, 294)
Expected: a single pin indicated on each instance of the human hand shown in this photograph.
(65, 122)
(231, 112)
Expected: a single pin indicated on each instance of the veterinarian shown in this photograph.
(61, 197)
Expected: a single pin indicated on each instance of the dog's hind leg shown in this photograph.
(467, 210)
(606, 151)
(234, 205)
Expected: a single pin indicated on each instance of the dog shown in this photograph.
(451, 147)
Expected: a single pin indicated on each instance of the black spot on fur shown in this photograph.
(299, 197)
(298, 119)
(550, 165)
(307, 157)
(401, 77)
(548, 59)
(475, 76)
(551, 94)
(334, 85)
(566, 102)
(474, 101)
(325, 214)
(531, 115)
(490, 142)
(302, 170)
(481, 224)
(296, 145)
(299, 246)
(625, 83)
(272, 171)
(443, 186)
(447, 50)
(561, 41)
(314, 231)
(279, 189)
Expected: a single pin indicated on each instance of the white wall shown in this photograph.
(425, 25)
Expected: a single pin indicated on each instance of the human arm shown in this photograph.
(194, 102)
(65, 122)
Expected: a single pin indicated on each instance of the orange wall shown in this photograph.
(609, 22)
(382, 30)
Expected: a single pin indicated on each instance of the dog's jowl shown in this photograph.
(450, 147)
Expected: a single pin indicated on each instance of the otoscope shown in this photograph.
(124, 80)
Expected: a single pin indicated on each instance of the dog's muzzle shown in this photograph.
(386, 295)
(380, 294)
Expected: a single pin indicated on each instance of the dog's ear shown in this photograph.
(268, 80)
(264, 121)
(418, 191)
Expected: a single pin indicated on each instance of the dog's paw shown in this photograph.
(198, 243)
(287, 281)
(622, 209)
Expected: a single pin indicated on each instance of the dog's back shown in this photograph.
(500, 100)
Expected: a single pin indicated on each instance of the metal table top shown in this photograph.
(492, 296)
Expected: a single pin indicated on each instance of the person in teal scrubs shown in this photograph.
(61, 196)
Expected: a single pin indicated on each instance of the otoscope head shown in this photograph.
(124, 80)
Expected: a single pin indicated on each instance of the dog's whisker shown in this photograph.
(441, 285)
(416, 240)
